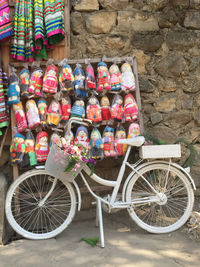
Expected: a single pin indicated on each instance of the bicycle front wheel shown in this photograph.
(175, 207)
(33, 220)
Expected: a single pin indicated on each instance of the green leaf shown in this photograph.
(91, 241)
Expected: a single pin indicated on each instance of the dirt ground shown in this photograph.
(125, 245)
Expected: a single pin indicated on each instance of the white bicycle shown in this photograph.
(158, 194)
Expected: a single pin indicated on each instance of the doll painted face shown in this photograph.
(126, 67)
(29, 143)
(114, 69)
(134, 129)
(43, 140)
(18, 140)
(128, 100)
(119, 100)
(64, 101)
(82, 134)
(81, 103)
(105, 101)
(120, 134)
(69, 137)
(67, 69)
(55, 106)
(95, 135)
(92, 101)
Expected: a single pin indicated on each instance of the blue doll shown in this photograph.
(13, 90)
(96, 145)
(78, 109)
(79, 82)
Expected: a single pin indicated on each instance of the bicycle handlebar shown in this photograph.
(78, 121)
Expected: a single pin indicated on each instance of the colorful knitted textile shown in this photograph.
(38, 25)
(3, 107)
(5, 23)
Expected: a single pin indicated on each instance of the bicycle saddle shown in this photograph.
(136, 141)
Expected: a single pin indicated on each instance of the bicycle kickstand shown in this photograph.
(99, 221)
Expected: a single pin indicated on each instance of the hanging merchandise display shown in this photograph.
(134, 130)
(90, 77)
(105, 109)
(93, 110)
(79, 82)
(117, 108)
(36, 81)
(50, 80)
(78, 109)
(42, 108)
(66, 79)
(20, 117)
(13, 89)
(3, 103)
(130, 108)
(128, 78)
(120, 134)
(24, 77)
(66, 108)
(81, 137)
(17, 148)
(54, 113)
(108, 142)
(5, 22)
(42, 146)
(103, 77)
(32, 114)
(96, 145)
(115, 78)
(29, 158)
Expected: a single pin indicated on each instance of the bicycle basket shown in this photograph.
(56, 163)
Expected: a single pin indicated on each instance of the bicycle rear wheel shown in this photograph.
(26, 214)
(173, 210)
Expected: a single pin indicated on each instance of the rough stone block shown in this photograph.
(114, 4)
(165, 104)
(157, 4)
(181, 3)
(179, 40)
(192, 20)
(178, 119)
(156, 118)
(191, 85)
(87, 5)
(145, 85)
(149, 41)
(77, 22)
(195, 4)
(142, 60)
(164, 133)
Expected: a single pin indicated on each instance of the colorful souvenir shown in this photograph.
(17, 148)
(50, 80)
(134, 130)
(24, 77)
(42, 108)
(115, 78)
(105, 109)
(128, 78)
(93, 110)
(108, 142)
(120, 134)
(117, 108)
(103, 77)
(66, 108)
(96, 145)
(54, 113)
(79, 82)
(42, 147)
(36, 81)
(55, 139)
(13, 89)
(66, 79)
(29, 156)
(20, 117)
(32, 114)
(68, 139)
(81, 137)
(78, 109)
(90, 77)
(130, 108)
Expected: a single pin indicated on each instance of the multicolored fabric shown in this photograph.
(5, 23)
(3, 108)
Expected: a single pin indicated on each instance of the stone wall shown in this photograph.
(164, 35)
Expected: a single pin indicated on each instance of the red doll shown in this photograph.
(54, 113)
(130, 108)
(94, 110)
(50, 81)
(105, 109)
(90, 77)
(42, 147)
(32, 114)
(66, 108)
(120, 134)
(20, 117)
(17, 149)
(82, 137)
(103, 77)
(35, 86)
(108, 142)
(117, 108)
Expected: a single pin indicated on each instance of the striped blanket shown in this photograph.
(5, 23)
(3, 104)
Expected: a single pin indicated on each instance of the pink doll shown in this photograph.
(66, 108)
(130, 108)
(66, 78)
(93, 110)
(117, 108)
(24, 77)
(36, 80)
(50, 81)
(42, 107)
(120, 134)
(68, 139)
(96, 145)
(90, 77)
(55, 139)
(20, 117)
(17, 149)
(32, 114)
(42, 147)
(82, 137)
(128, 79)
(115, 78)
(103, 77)
(54, 113)
(133, 130)
(105, 109)
(108, 142)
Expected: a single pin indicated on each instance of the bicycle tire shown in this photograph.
(23, 211)
(164, 219)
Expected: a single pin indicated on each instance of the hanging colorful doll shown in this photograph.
(24, 77)
(50, 81)
(108, 142)
(117, 108)
(133, 130)
(120, 134)
(32, 114)
(29, 156)
(42, 108)
(93, 110)
(90, 77)
(54, 113)
(20, 117)
(55, 139)
(103, 77)
(79, 82)
(36, 81)
(68, 139)
(115, 78)
(78, 109)
(66, 79)
(13, 89)
(105, 109)
(66, 108)
(81, 137)
(96, 145)
(128, 78)
(42, 147)
(130, 108)
(17, 148)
